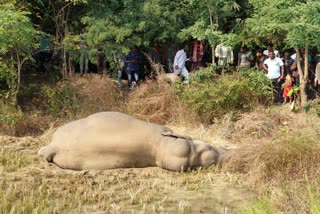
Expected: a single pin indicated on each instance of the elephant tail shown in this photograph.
(48, 152)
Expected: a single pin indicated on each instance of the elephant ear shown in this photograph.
(172, 134)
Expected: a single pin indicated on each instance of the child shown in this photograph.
(288, 85)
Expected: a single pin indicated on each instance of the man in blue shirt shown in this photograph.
(133, 61)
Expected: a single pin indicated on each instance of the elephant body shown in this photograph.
(109, 140)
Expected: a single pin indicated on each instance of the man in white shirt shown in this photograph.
(179, 63)
(274, 68)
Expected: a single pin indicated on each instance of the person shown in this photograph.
(120, 66)
(179, 66)
(84, 60)
(244, 58)
(197, 54)
(133, 61)
(270, 48)
(287, 62)
(101, 65)
(275, 72)
(317, 80)
(225, 56)
(289, 79)
(44, 54)
(260, 60)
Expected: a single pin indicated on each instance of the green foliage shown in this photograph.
(213, 97)
(222, 13)
(312, 107)
(116, 26)
(17, 39)
(71, 44)
(9, 115)
(16, 31)
(295, 22)
(7, 119)
(260, 206)
(61, 101)
(7, 81)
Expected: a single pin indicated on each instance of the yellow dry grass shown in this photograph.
(275, 146)
(99, 93)
(156, 101)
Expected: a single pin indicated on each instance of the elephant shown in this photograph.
(109, 140)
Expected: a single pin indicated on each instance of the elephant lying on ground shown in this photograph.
(109, 140)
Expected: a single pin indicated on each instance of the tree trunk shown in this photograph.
(302, 74)
(211, 26)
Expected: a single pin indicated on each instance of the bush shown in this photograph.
(7, 82)
(61, 101)
(213, 97)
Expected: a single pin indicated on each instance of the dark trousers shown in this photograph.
(276, 86)
(101, 66)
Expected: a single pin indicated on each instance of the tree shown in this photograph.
(212, 21)
(296, 23)
(118, 25)
(17, 38)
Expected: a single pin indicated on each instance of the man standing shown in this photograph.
(120, 66)
(245, 58)
(84, 60)
(272, 66)
(179, 63)
(133, 61)
(225, 56)
(260, 60)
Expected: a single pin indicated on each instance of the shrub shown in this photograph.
(62, 100)
(213, 97)
(7, 82)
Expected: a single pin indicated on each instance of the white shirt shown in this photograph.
(180, 59)
(276, 53)
(274, 66)
(317, 74)
(294, 56)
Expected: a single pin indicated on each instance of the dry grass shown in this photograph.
(286, 148)
(99, 94)
(259, 124)
(156, 101)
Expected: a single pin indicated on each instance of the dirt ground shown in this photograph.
(31, 185)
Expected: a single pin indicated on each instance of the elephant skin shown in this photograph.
(109, 140)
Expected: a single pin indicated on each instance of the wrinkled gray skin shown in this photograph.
(109, 140)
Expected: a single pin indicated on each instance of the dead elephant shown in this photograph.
(109, 140)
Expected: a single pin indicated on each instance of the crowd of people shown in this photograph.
(280, 69)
